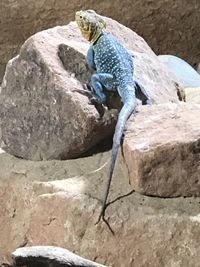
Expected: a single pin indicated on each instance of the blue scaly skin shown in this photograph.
(113, 67)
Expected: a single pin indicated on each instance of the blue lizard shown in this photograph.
(113, 67)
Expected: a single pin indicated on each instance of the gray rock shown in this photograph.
(43, 110)
(50, 256)
(185, 74)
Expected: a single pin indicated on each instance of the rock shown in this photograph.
(50, 255)
(198, 68)
(58, 202)
(185, 75)
(162, 150)
(2, 70)
(49, 116)
(193, 95)
(181, 93)
(181, 70)
(43, 110)
(179, 19)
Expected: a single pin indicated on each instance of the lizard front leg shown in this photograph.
(99, 81)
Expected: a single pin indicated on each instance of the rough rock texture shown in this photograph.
(44, 112)
(162, 150)
(170, 27)
(2, 70)
(49, 117)
(58, 203)
(193, 95)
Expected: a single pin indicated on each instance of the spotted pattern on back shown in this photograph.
(111, 57)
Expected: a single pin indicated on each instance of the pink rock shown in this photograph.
(162, 150)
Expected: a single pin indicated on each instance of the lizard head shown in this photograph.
(90, 23)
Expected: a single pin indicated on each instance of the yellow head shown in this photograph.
(90, 23)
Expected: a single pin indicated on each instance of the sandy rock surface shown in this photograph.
(58, 202)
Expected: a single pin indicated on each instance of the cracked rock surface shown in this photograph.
(58, 202)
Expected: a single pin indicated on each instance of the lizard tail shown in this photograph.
(127, 109)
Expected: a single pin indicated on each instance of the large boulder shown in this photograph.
(58, 202)
(162, 150)
(44, 111)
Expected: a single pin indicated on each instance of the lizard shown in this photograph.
(113, 71)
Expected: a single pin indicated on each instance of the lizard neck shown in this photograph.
(96, 37)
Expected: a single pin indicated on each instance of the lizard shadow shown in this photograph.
(74, 62)
(111, 202)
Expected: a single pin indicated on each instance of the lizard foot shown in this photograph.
(95, 100)
(87, 92)
(102, 217)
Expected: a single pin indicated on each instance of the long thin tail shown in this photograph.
(127, 109)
